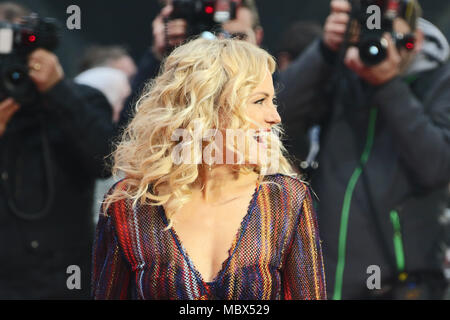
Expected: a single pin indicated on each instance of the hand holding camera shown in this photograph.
(45, 69)
(336, 24)
(373, 51)
(380, 73)
(167, 32)
(27, 66)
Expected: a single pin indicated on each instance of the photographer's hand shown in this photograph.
(8, 108)
(378, 74)
(45, 69)
(176, 32)
(336, 24)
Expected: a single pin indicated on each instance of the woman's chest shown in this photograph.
(251, 262)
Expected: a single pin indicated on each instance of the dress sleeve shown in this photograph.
(303, 272)
(110, 270)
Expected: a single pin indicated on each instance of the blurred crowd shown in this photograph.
(372, 138)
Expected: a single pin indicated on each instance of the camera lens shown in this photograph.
(17, 83)
(372, 51)
(15, 77)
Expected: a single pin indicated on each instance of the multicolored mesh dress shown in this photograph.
(276, 253)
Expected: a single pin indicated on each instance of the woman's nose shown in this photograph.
(273, 117)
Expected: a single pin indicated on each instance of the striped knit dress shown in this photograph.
(276, 253)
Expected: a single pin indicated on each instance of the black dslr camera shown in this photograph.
(204, 15)
(371, 44)
(17, 41)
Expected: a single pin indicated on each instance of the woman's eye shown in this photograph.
(275, 101)
(260, 101)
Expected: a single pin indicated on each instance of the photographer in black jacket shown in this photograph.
(51, 151)
(384, 161)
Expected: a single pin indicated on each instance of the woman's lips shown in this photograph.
(261, 137)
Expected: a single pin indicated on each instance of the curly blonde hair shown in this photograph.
(203, 80)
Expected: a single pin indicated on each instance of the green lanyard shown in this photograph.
(395, 220)
(398, 243)
(347, 202)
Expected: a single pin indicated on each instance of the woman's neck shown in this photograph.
(222, 182)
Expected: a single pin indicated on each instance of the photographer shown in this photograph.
(384, 160)
(51, 151)
(168, 33)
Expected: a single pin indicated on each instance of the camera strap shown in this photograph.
(40, 214)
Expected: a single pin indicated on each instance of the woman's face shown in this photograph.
(261, 108)
(263, 115)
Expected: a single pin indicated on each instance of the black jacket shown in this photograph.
(50, 156)
(148, 69)
(408, 168)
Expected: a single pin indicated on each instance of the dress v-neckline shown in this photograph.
(234, 245)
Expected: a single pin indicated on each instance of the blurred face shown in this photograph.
(241, 27)
(125, 64)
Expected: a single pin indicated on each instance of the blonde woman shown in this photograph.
(219, 219)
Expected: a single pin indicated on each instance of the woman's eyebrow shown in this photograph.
(263, 93)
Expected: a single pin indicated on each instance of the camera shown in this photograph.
(17, 41)
(204, 15)
(372, 46)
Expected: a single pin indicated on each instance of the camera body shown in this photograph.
(204, 15)
(17, 41)
(372, 46)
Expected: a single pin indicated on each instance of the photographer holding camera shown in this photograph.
(182, 19)
(54, 135)
(382, 98)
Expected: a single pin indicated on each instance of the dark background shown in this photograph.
(128, 22)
